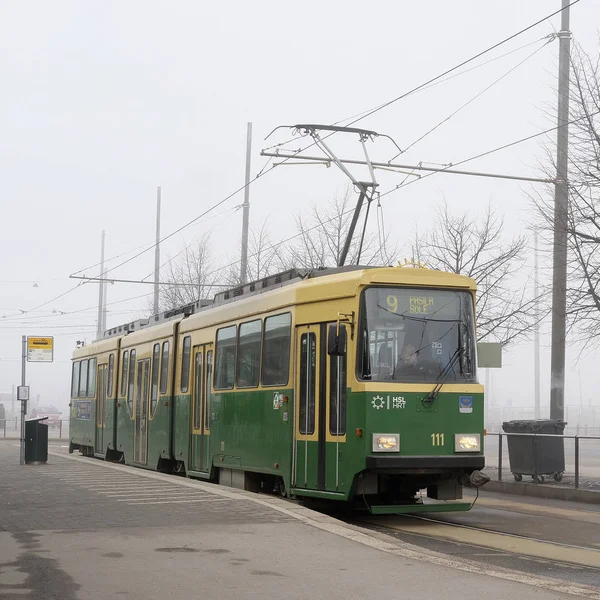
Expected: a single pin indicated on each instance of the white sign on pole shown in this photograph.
(40, 349)
(23, 393)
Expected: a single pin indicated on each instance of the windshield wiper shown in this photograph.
(443, 376)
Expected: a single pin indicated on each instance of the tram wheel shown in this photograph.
(518, 476)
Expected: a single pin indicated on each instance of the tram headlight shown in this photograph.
(386, 442)
(467, 442)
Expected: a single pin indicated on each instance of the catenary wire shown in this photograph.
(367, 114)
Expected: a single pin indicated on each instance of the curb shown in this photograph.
(543, 491)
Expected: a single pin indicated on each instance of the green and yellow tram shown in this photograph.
(352, 384)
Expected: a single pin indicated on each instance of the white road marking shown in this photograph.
(175, 501)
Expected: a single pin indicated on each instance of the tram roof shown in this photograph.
(275, 293)
(323, 286)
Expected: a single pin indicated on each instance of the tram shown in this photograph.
(353, 384)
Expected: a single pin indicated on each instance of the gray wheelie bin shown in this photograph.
(536, 456)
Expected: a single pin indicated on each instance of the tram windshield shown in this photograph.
(416, 335)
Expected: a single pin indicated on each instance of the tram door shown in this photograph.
(320, 412)
(101, 378)
(201, 409)
(310, 445)
(142, 398)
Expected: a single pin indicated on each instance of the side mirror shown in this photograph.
(336, 339)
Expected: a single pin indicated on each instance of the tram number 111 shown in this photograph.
(437, 439)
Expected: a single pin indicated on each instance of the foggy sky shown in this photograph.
(104, 101)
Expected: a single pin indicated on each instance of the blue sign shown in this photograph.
(83, 410)
(465, 404)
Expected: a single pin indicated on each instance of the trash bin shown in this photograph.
(536, 456)
(36, 441)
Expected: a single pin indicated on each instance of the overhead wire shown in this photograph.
(350, 210)
(360, 118)
(367, 114)
(468, 102)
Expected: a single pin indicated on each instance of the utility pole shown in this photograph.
(246, 206)
(101, 288)
(157, 253)
(536, 331)
(561, 203)
(23, 401)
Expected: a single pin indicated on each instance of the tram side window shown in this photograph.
(276, 350)
(248, 354)
(91, 382)
(124, 373)
(185, 363)
(75, 380)
(164, 367)
(308, 368)
(337, 394)
(83, 375)
(131, 382)
(225, 358)
(111, 375)
(154, 389)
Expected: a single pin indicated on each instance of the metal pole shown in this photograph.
(561, 200)
(246, 206)
(500, 457)
(23, 402)
(576, 462)
(536, 331)
(100, 330)
(157, 253)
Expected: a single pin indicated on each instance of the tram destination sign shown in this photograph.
(40, 349)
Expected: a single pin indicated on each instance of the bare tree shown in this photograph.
(461, 244)
(322, 234)
(189, 276)
(583, 220)
(264, 258)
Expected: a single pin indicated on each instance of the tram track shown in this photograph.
(497, 546)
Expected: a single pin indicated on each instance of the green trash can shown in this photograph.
(536, 456)
(36, 441)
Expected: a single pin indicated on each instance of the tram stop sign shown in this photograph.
(40, 349)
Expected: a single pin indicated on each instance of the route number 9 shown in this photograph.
(392, 303)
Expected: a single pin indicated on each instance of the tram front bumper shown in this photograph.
(424, 464)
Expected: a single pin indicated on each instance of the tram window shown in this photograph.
(337, 394)
(248, 354)
(75, 380)
(131, 382)
(207, 400)
(164, 367)
(91, 382)
(197, 390)
(185, 363)
(111, 375)
(83, 374)
(308, 368)
(225, 358)
(276, 350)
(124, 373)
(154, 388)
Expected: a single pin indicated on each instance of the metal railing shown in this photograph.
(536, 474)
(11, 428)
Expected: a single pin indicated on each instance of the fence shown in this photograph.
(582, 458)
(11, 428)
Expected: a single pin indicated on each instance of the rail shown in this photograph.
(576, 438)
(10, 428)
